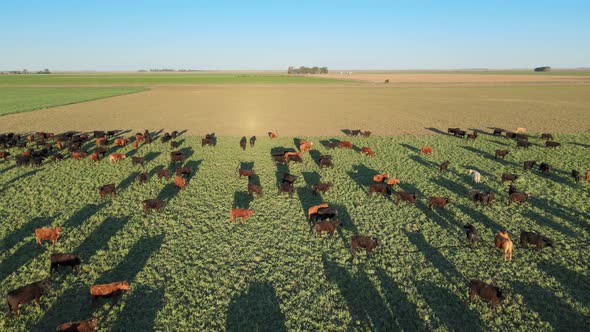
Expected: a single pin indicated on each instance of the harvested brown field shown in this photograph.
(320, 110)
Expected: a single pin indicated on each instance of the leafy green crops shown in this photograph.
(191, 269)
(158, 79)
(25, 99)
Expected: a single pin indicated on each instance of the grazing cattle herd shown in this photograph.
(322, 217)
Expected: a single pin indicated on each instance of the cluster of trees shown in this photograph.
(24, 71)
(307, 70)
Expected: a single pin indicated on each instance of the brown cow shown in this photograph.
(588, 176)
(107, 189)
(88, 325)
(321, 187)
(101, 151)
(107, 290)
(77, 155)
(366, 133)
(487, 292)
(26, 294)
(153, 203)
(101, 141)
(122, 141)
(94, 156)
(51, 234)
(326, 161)
(501, 153)
(139, 137)
(426, 150)
(272, 135)
(305, 145)
(326, 226)
(163, 173)
(114, 157)
(367, 151)
(314, 209)
(240, 213)
(380, 178)
(345, 145)
(362, 241)
(518, 197)
(180, 182)
(4, 155)
(405, 196)
(135, 144)
(254, 188)
(245, 172)
(503, 241)
(289, 154)
(438, 201)
(142, 177)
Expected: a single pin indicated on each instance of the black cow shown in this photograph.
(472, 234)
(243, 142)
(551, 144)
(61, 259)
(252, 141)
(528, 165)
(444, 166)
(535, 239)
(545, 168)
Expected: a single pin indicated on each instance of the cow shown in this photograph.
(509, 177)
(453, 130)
(176, 156)
(367, 151)
(240, 213)
(114, 289)
(288, 188)
(57, 156)
(366, 133)
(393, 181)
(380, 178)
(425, 150)
(522, 137)
(272, 135)
(501, 153)
(324, 214)
(22, 160)
(475, 175)
(174, 144)
(545, 168)
(321, 187)
(547, 136)
(245, 172)
(314, 210)
(252, 141)
(37, 161)
(137, 160)
(50, 234)
(332, 145)
(88, 325)
(254, 188)
(345, 145)
(380, 188)
(115, 157)
(329, 226)
(484, 198)
(293, 156)
(503, 242)
(77, 155)
(94, 156)
(326, 161)
(208, 141)
(153, 204)
(243, 142)
(369, 243)
(142, 178)
(521, 130)
(165, 138)
(438, 201)
(62, 259)
(180, 182)
(444, 166)
(4, 155)
(518, 197)
(107, 189)
(460, 133)
(122, 141)
(99, 133)
(472, 136)
(472, 235)
(288, 178)
(139, 137)
(523, 144)
(511, 190)
(576, 175)
(355, 132)
(183, 171)
(536, 239)
(498, 132)
(551, 144)
(528, 165)
(26, 294)
(163, 173)
(102, 141)
(174, 134)
(305, 145)
(405, 196)
(487, 292)
(111, 133)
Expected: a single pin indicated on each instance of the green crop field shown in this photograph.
(25, 99)
(145, 78)
(191, 269)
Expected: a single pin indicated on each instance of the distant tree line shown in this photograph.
(307, 70)
(546, 68)
(169, 70)
(24, 72)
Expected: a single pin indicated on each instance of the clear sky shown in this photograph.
(129, 35)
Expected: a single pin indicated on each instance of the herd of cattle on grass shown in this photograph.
(321, 218)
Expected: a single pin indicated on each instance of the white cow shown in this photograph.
(475, 176)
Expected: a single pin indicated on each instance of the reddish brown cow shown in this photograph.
(345, 145)
(121, 141)
(380, 178)
(245, 172)
(426, 150)
(438, 201)
(139, 137)
(102, 141)
(4, 155)
(108, 189)
(107, 290)
(94, 156)
(240, 213)
(329, 226)
(392, 181)
(363, 241)
(305, 145)
(272, 135)
(314, 209)
(153, 204)
(180, 182)
(114, 157)
(77, 155)
(50, 234)
(163, 173)
(88, 325)
(367, 151)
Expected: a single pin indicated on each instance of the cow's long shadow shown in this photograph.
(128, 181)
(564, 178)
(315, 156)
(248, 165)
(242, 200)
(7, 168)
(489, 156)
(437, 131)
(254, 179)
(425, 163)
(547, 222)
(563, 212)
(435, 257)
(365, 304)
(577, 284)
(17, 235)
(151, 156)
(405, 312)
(580, 144)
(99, 238)
(552, 309)
(17, 178)
(187, 152)
(144, 302)
(83, 214)
(255, 309)
(306, 196)
(448, 307)
(480, 217)
(411, 148)
(362, 175)
(155, 170)
(454, 187)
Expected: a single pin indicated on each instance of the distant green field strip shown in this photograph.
(485, 72)
(158, 79)
(25, 99)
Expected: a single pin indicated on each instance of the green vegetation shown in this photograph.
(25, 99)
(191, 269)
(140, 78)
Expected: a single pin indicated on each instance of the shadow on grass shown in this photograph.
(563, 212)
(18, 178)
(128, 181)
(577, 284)
(242, 200)
(315, 156)
(489, 156)
(552, 309)
(362, 175)
(83, 214)
(411, 148)
(432, 254)
(255, 309)
(143, 303)
(19, 234)
(438, 131)
(151, 156)
(480, 217)
(99, 238)
(425, 163)
(548, 222)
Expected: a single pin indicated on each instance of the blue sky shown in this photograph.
(129, 35)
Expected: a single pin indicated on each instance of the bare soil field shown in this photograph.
(236, 110)
(444, 77)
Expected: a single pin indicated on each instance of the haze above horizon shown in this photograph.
(227, 35)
